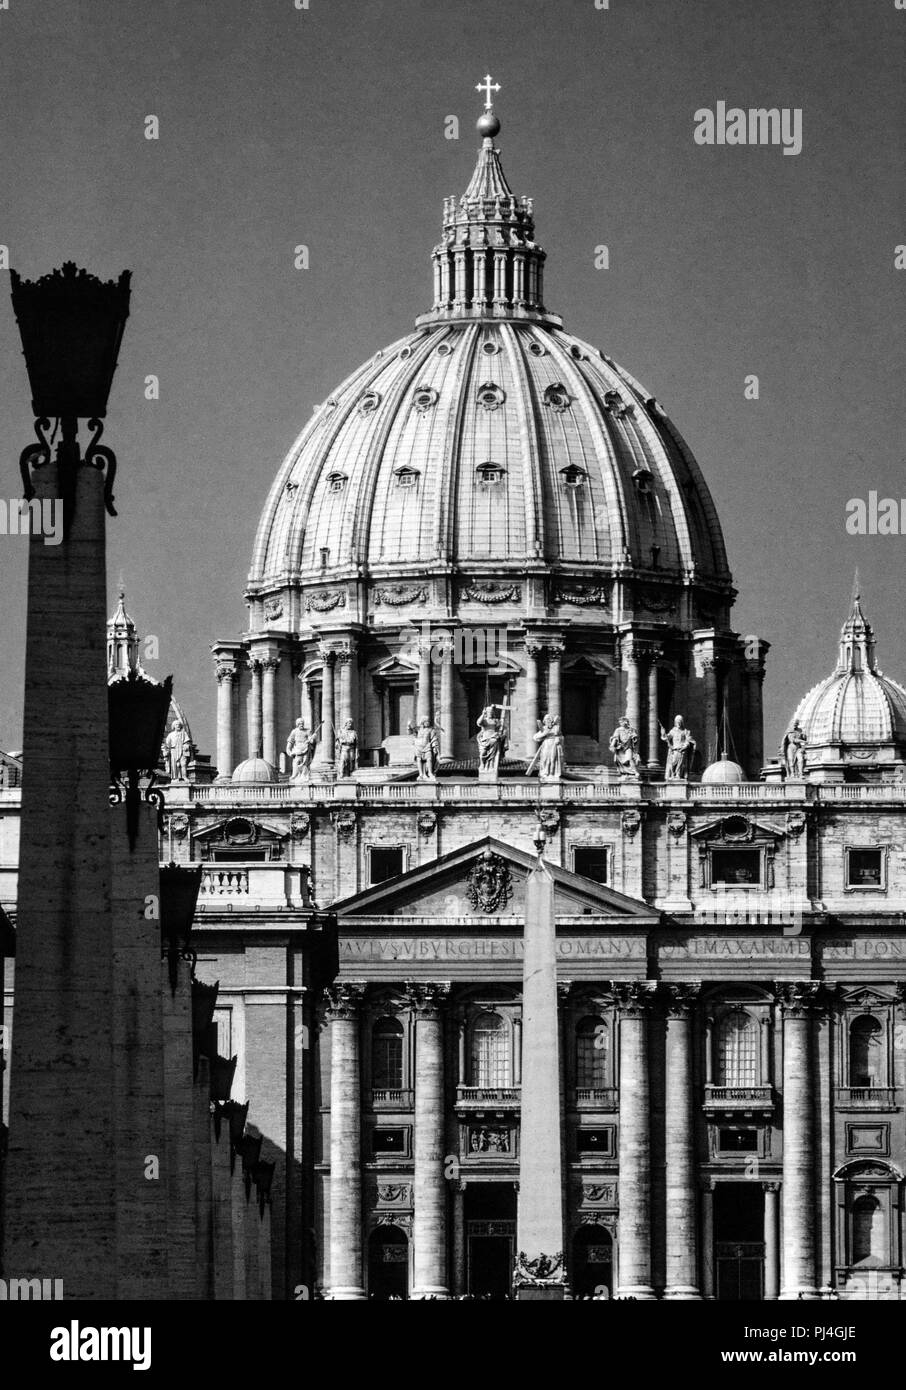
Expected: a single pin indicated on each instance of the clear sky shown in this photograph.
(325, 126)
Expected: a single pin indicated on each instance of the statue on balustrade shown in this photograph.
(300, 746)
(492, 740)
(179, 750)
(793, 751)
(624, 745)
(426, 749)
(680, 748)
(550, 750)
(347, 745)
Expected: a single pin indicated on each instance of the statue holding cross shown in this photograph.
(492, 740)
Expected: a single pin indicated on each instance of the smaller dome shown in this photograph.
(254, 770)
(723, 773)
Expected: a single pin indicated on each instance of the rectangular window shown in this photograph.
(591, 862)
(737, 1141)
(385, 863)
(595, 1141)
(388, 1141)
(401, 702)
(736, 868)
(864, 868)
(580, 708)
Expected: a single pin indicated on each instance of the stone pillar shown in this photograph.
(633, 999)
(326, 746)
(519, 279)
(499, 277)
(654, 753)
(633, 690)
(755, 675)
(711, 739)
(429, 1228)
(345, 661)
(540, 1226)
(226, 760)
(771, 1242)
(532, 652)
(460, 300)
(554, 657)
(254, 710)
(346, 1244)
(681, 1242)
(447, 714)
(269, 709)
(517, 1051)
(423, 705)
(707, 1193)
(479, 277)
(459, 1238)
(798, 1197)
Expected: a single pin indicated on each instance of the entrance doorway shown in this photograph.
(739, 1240)
(388, 1263)
(592, 1266)
(490, 1216)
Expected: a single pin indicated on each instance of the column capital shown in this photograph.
(534, 647)
(771, 1187)
(798, 998)
(327, 653)
(633, 998)
(269, 663)
(225, 672)
(344, 1000)
(427, 997)
(680, 999)
(255, 665)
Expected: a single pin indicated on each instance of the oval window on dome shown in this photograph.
(336, 481)
(491, 396)
(423, 398)
(556, 396)
(614, 402)
(406, 351)
(369, 402)
(537, 349)
(576, 352)
(490, 472)
(444, 350)
(490, 348)
(406, 476)
(642, 477)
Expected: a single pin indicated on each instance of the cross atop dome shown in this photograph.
(487, 87)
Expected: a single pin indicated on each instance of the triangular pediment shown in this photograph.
(485, 882)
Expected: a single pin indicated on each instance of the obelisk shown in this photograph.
(540, 1224)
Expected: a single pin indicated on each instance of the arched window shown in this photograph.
(868, 1230)
(865, 1051)
(591, 1052)
(490, 1057)
(737, 1050)
(387, 1055)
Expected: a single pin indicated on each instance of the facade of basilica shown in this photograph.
(491, 620)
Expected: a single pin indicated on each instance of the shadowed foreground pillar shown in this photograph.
(634, 1149)
(798, 1195)
(681, 1232)
(429, 1230)
(540, 1242)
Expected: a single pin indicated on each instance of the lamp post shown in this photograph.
(67, 1108)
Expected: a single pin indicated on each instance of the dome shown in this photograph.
(488, 436)
(723, 773)
(254, 770)
(857, 713)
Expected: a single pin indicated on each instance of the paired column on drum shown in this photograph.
(325, 754)
(633, 1000)
(346, 1242)
(429, 1198)
(798, 1001)
(640, 662)
(226, 681)
(682, 1230)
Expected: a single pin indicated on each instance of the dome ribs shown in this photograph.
(445, 520)
(529, 438)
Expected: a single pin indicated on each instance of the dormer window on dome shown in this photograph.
(406, 476)
(643, 478)
(556, 396)
(336, 481)
(490, 396)
(614, 403)
(573, 475)
(490, 472)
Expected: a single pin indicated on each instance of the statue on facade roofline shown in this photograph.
(549, 755)
(624, 745)
(492, 740)
(426, 749)
(793, 751)
(680, 748)
(178, 750)
(347, 747)
(300, 746)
